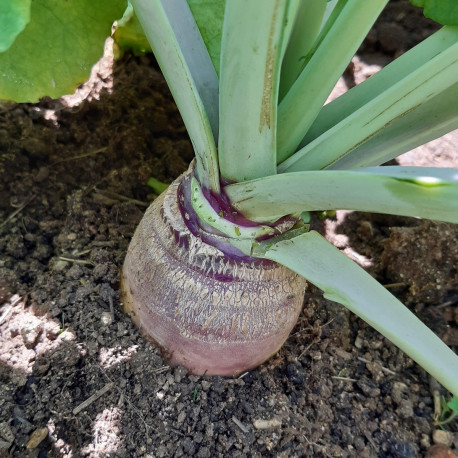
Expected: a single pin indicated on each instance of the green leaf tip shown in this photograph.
(157, 186)
(443, 11)
(425, 182)
(14, 16)
(453, 404)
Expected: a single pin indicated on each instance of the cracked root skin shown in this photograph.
(172, 288)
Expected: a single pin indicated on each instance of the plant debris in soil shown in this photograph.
(76, 377)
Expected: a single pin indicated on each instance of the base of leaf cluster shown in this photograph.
(207, 312)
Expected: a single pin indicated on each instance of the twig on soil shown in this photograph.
(121, 197)
(267, 424)
(8, 309)
(82, 253)
(384, 369)
(305, 350)
(18, 210)
(369, 438)
(445, 304)
(121, 400)
(240, 425)
(93, 398)
(80, 156)
(6, 313)
(434, 388)
(103, 243)
(129, 402)
(176, 431)
(110, 300)
(344, 379)
(394, 285)
(161, 369)
(78, 261)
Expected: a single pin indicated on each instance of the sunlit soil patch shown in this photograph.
(107, 429)
(110, 357)
(26, 340)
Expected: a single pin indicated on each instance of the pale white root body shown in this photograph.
(211, 314)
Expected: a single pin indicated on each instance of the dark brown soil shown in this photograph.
(72, 192)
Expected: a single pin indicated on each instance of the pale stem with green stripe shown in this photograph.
(251, 52)
(410, 191)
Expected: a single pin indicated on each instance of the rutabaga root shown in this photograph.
(211, 314)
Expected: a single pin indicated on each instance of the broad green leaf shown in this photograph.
(129, 34)
(453, 404)
(343, 281)
(410, 191)
(14, 16)
(209, 16)
(443, 11)
(56, 50)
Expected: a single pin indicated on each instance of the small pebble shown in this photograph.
(425, 442)
(60, 265)
(36, 438)
(440, 451)
(442, 437)
(267, 424)
(359, 342)
(106, 318)
(6, 433)
(31, 332)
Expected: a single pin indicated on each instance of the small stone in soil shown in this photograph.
(267, 424)
(106, 318)
(440, 451)
(36, 438)
(442, 437)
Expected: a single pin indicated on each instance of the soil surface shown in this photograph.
(77, 379)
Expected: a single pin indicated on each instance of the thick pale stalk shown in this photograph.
(181, 53)
(343, 281)
(409, 191)
(251, 51)
(209, 313)
(354, 99)
(305, 30)
(351, 22)
(419, 87)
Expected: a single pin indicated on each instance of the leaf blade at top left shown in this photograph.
(55, 51)
(14, 16)
(182, 55)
